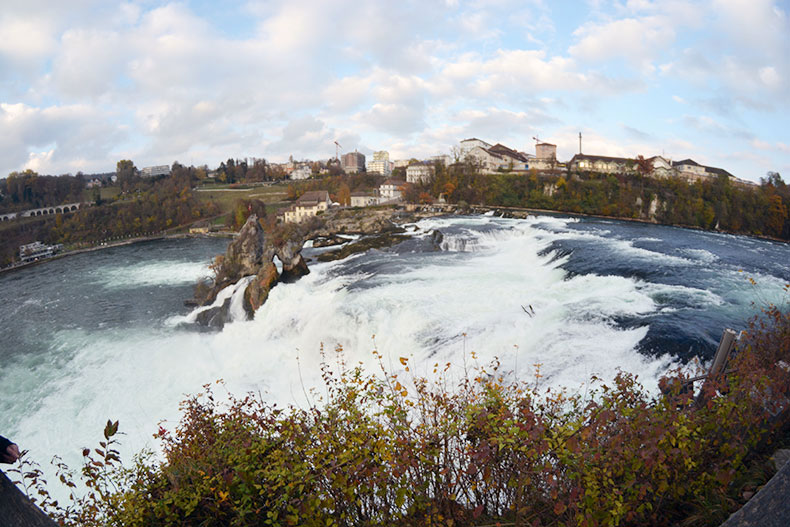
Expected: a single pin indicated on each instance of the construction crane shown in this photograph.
(337, 151)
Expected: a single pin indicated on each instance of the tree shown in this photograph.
(127, 174)
(344, 195)
(773, 178)
(644, 167)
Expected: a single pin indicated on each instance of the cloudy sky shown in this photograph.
(84, 83)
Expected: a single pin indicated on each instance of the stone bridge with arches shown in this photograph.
(45, 211)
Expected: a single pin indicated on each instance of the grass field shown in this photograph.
(226, 197)
(110, 192)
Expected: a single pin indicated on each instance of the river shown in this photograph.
(106, 335)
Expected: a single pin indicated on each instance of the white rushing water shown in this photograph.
(499, 293)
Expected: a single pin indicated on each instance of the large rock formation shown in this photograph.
(290, 254)
(257, 291)
(253, 251)
(249, 250)
(252, 254)
(244, 256)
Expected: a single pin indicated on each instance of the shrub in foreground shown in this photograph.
(394, 449)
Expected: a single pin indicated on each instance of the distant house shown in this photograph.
(159, 170)
(308, 205)
(689, 169)
(602, 164)
(302, 172)
(487, 161)
(713, 171)
(364, 199)
(693, 171)
(467, 145)
(491, 159)
(419, 173)
(662, 167)
(390, 190)
(512, 159)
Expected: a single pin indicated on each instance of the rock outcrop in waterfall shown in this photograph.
(252, 254)
(249, 259)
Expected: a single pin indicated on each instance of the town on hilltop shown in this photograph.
(487, 159)
(42, 215)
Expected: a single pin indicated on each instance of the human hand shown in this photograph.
(11, 454)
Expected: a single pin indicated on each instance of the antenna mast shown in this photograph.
(580, 142)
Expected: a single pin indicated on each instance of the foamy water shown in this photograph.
(523, 292)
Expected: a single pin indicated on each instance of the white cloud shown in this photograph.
(513, 72)
(769, 76)
(88, 62)
(68, 135)
(87, 81)
(26, 39)
(639, 40)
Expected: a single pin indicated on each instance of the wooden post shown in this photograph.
(726, 344)
(16, 510)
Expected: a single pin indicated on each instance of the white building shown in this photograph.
(159, 170)
(467, 145)
(491, 159)
(308, 205)
(380, 164)
(601, 164)
(689, 168)
(420, 173)
(390, 190)
(364, 199)
(662, 167)
(302, 172)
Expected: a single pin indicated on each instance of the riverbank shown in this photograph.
(422, 210)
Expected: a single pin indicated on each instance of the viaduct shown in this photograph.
(58, 209)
